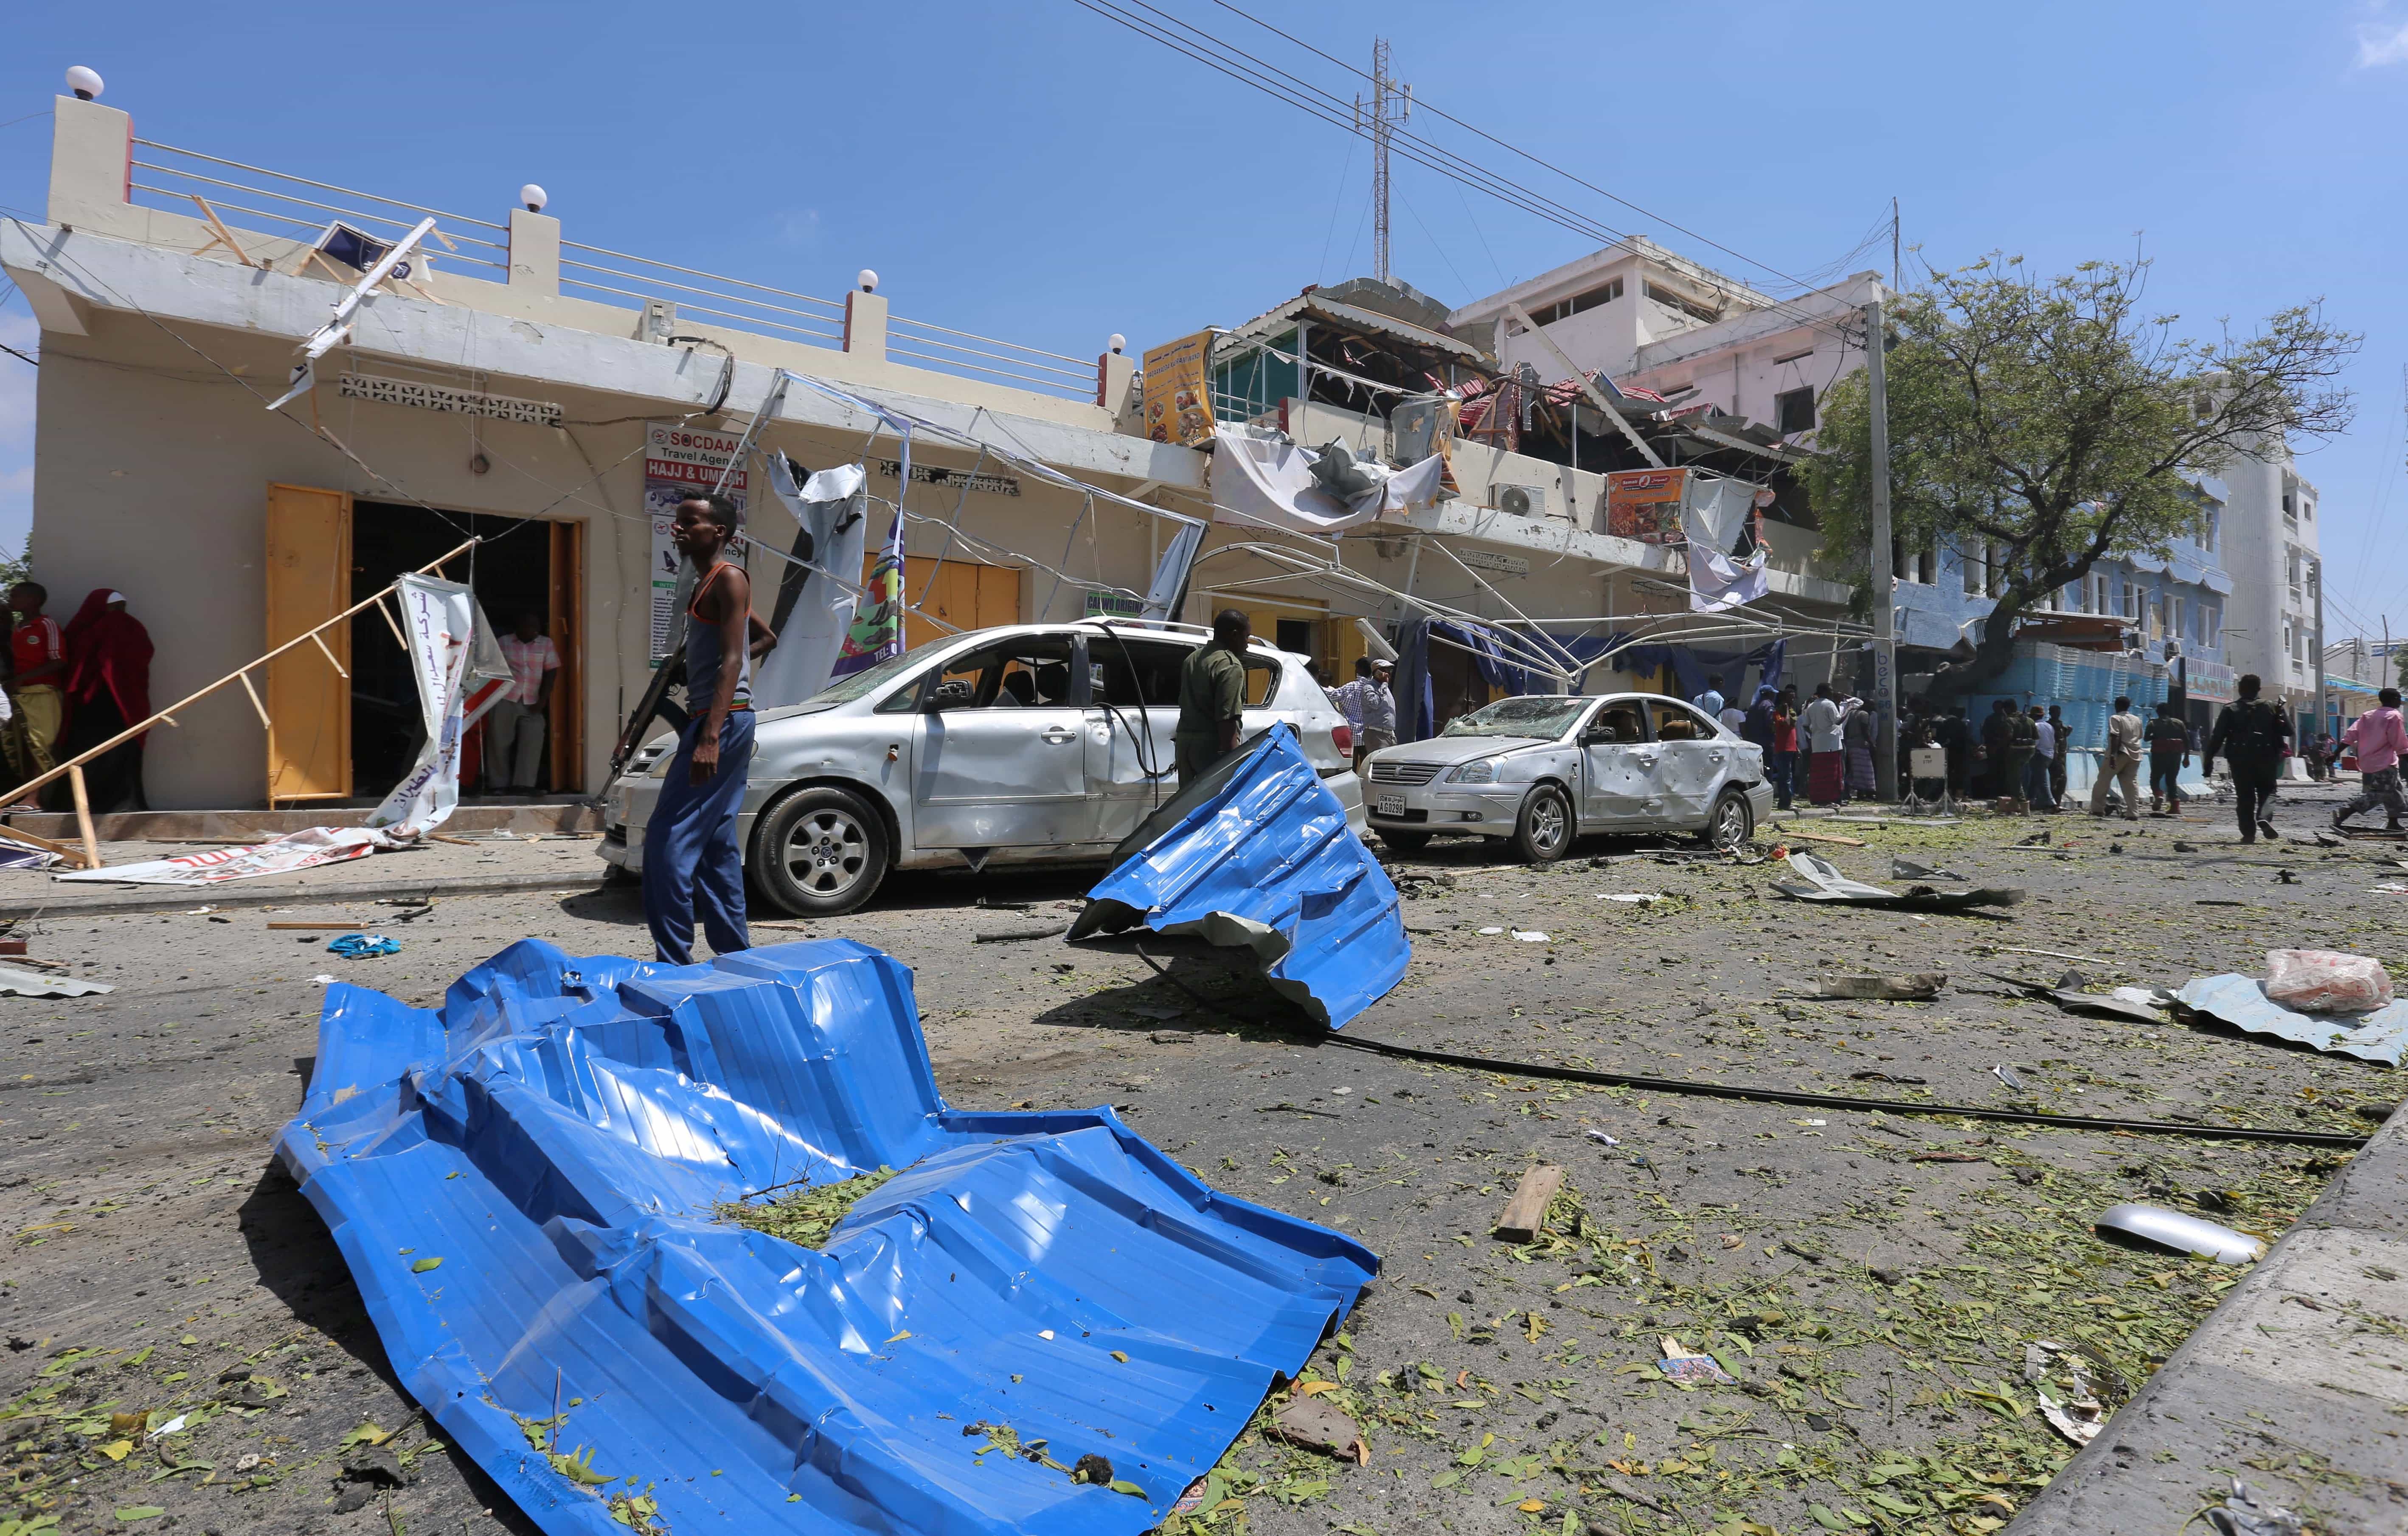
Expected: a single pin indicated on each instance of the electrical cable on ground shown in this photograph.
(1783, 1095)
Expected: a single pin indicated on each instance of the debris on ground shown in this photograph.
(2081, 1414)
(543, 1084)
(1681, 1366)
(16, 981)
(1257, 855)
(2183, 1234)
(1526, 1214)
(362, 946)
(1310, 1423)
(1907, 869)
(2139, 1005)
(2241, 1001)
(1826, 883)
(1921, 987)
(1015, 936)
(2252, 1513)
(2323, 981)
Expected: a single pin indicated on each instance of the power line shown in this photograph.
(1338, 112)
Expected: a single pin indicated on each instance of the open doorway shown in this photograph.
(524, 567)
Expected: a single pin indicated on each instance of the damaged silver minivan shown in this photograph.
(1024, 744)
(1542, 770)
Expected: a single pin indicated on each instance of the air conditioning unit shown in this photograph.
(1519, 501)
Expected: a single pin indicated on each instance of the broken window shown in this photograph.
(1793, 410)
(1677, 722)
(1566, 308)
(1027, 673)
(1128, 673)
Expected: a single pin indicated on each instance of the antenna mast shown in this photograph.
(1391, 103)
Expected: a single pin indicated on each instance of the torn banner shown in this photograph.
(524, 1184)
(1714, 510)
(452, 651)
(1269, 483)
(1257, 855)
(816, 594)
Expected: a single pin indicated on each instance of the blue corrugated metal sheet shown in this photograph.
(1260, 856)
(556, 1136)
(2241, 1001)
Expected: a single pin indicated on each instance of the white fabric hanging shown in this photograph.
(1267, 483)
(817, 593)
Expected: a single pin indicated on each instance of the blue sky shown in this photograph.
(1036, 172)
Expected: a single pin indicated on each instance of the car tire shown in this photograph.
(1543, 831)
(1407, 843)
(616, 874)
(1731, 822)
(819, 852)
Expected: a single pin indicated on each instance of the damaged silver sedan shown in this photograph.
(1541, 770)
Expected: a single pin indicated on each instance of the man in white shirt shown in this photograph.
(1372, 708)
(2039, 781)
(2123, 762)
(515, 725)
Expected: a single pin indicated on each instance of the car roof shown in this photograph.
(1185, 634)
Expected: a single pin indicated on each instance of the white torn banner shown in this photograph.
(452, 651)
(1269, 483)
(817, 594)
(16, 982)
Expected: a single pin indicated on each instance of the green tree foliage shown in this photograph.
(2054, 420)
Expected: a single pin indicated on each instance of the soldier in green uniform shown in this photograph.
(1212, 696)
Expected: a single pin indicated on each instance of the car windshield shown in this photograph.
(1541, 715)
(862, 685)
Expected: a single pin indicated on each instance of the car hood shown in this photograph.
(1447, 751)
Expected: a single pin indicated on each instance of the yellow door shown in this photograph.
(965, 596)
(308, 702)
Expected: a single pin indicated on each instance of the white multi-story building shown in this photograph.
(2273, 624)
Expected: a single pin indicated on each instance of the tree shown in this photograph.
(2054, 422)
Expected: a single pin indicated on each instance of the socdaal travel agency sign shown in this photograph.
(1178, 392)
(679, 462)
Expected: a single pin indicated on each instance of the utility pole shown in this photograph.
(1885, 570)
(1390, 104)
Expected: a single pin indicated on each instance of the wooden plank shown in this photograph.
(1527, 1212)
(564, 737)
(309, 582)
(321, 927)
(83, 816)
(1821, 837)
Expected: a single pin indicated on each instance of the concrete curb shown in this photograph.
(2305, 1359)
(173, 898)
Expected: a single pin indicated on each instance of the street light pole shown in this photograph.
(1885, 571)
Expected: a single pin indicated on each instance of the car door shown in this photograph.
(998, 761)
(1617, 766)
(1692, 759)
(1132, 712)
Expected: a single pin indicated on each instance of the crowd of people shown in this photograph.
(69, 688)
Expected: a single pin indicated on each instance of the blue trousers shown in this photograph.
(2035, 783)
(693, 864)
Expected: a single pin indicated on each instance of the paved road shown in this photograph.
(1871, 1282)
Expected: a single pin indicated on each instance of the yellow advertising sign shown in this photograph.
(1178, 393)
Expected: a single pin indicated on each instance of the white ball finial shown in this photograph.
(84, 82)
(868, 281)
(534, 198)
(1117, 341)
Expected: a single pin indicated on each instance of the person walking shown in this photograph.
(694, 863)
(2378, 738)
(2058, 762)
(2169, 754)
(1377, 705)
(516, 724)
(2040, 777)
(1993, 747)
(1824, 783)
(1212, 698)
(2253, 736)
(1782, 760)
(2122, 763)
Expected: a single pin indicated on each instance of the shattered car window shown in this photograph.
(1543, 715)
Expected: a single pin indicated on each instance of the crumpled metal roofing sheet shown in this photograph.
(556, 1135)
(1258, 854)
(2241, 1001)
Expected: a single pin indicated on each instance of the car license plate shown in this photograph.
(1392, 804)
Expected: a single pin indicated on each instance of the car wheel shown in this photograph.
(1543, 831)
(1733, 821)
(818, 853)
(1405, 842)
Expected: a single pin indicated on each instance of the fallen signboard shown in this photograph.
(1826, 883)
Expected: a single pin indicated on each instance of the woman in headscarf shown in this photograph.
(1857, 732)
(107, 689)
